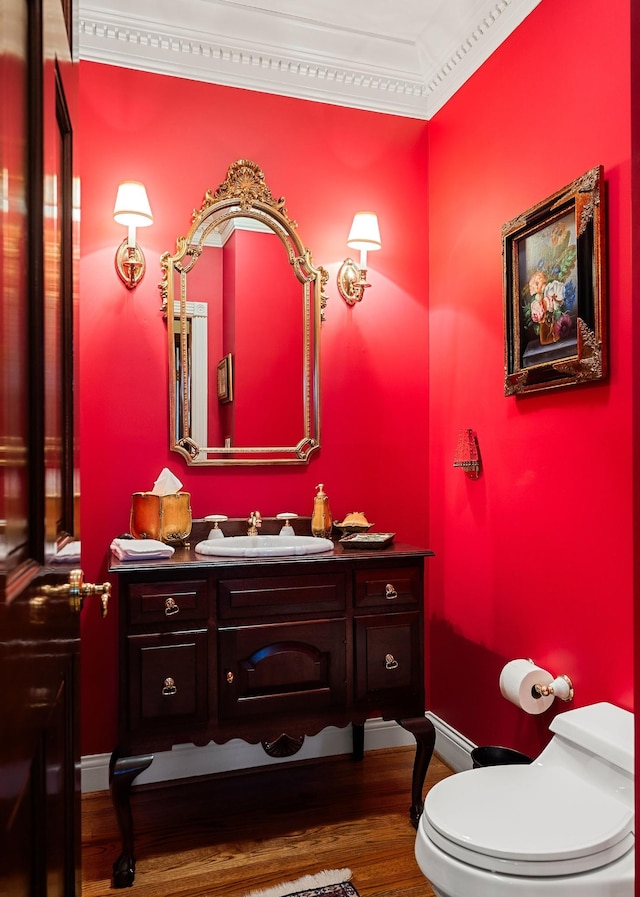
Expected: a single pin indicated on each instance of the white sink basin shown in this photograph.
(263, 546)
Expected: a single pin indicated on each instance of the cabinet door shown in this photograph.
(282, 668)
(389, 661)
(167, 678)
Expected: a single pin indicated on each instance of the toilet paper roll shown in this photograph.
(516, 683)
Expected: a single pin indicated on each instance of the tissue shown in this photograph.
(166, 484)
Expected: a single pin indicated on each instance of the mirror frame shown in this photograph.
(244, 194)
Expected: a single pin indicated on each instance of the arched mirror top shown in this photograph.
(243, 313)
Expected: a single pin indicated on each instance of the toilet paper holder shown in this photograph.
(560, 687)
(531, 687)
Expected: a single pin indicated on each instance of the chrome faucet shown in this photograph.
(254, 521)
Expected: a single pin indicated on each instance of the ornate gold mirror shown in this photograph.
(243, 302)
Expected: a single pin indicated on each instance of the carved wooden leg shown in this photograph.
(122, 772)
(358, 740)
(425, 735)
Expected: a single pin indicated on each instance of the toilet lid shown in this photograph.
(525, 820)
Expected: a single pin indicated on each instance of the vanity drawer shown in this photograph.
(265, 596)
(388, 658)
(282, 668)
(170, 601)
(167, 678)
(388, 586)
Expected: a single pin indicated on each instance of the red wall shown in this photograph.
(179, 137)
(535, 558)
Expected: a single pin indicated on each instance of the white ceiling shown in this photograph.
(405, 57)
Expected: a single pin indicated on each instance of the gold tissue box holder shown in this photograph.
(163, 517)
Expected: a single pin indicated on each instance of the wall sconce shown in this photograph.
(365, 236)
(133, 210)
(468, 454)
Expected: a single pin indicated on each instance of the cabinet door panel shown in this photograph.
(282, 668)
(168, 678)
(388, 658)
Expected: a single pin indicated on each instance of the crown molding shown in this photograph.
(322, 63)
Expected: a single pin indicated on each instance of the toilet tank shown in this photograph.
(603, 729)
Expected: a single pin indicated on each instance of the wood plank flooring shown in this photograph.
(227, 835)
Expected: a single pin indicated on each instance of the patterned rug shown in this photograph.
(330, 883)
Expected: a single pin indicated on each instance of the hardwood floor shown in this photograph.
(225, 836)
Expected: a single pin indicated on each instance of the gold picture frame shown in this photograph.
(225, 379)
(553, 285)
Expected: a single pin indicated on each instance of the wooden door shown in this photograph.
(39, 613)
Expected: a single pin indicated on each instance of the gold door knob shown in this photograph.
(77, 590)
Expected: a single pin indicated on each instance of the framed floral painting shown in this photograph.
(554, 305)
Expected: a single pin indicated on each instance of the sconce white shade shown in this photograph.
(132, 205)
(364, 233)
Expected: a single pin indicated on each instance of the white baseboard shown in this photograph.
(453, 748)
(186, 760)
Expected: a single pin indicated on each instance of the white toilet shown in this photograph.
(561, 827)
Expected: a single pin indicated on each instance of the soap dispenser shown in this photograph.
(321, 522)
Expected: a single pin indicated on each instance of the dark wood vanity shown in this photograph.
(269, 650)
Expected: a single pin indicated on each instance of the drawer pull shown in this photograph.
(390, 592)
(170, 607)
(390, 662)
(169, 687)
(230, 677)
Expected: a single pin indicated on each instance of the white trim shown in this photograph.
(451, 746)
(218, 236)
(187, 760)
(242, 47)
(199, 372)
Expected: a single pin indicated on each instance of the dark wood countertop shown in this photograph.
(186, 558)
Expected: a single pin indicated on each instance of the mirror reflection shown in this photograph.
(244, 303)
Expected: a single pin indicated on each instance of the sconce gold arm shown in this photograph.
(352, 281)
(130, 264)
(77, 590)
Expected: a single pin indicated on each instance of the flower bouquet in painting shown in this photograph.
(548, 271)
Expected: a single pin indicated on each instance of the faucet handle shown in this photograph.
(287, 529)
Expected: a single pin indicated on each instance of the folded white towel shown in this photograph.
(140, 549)
(70, 554)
